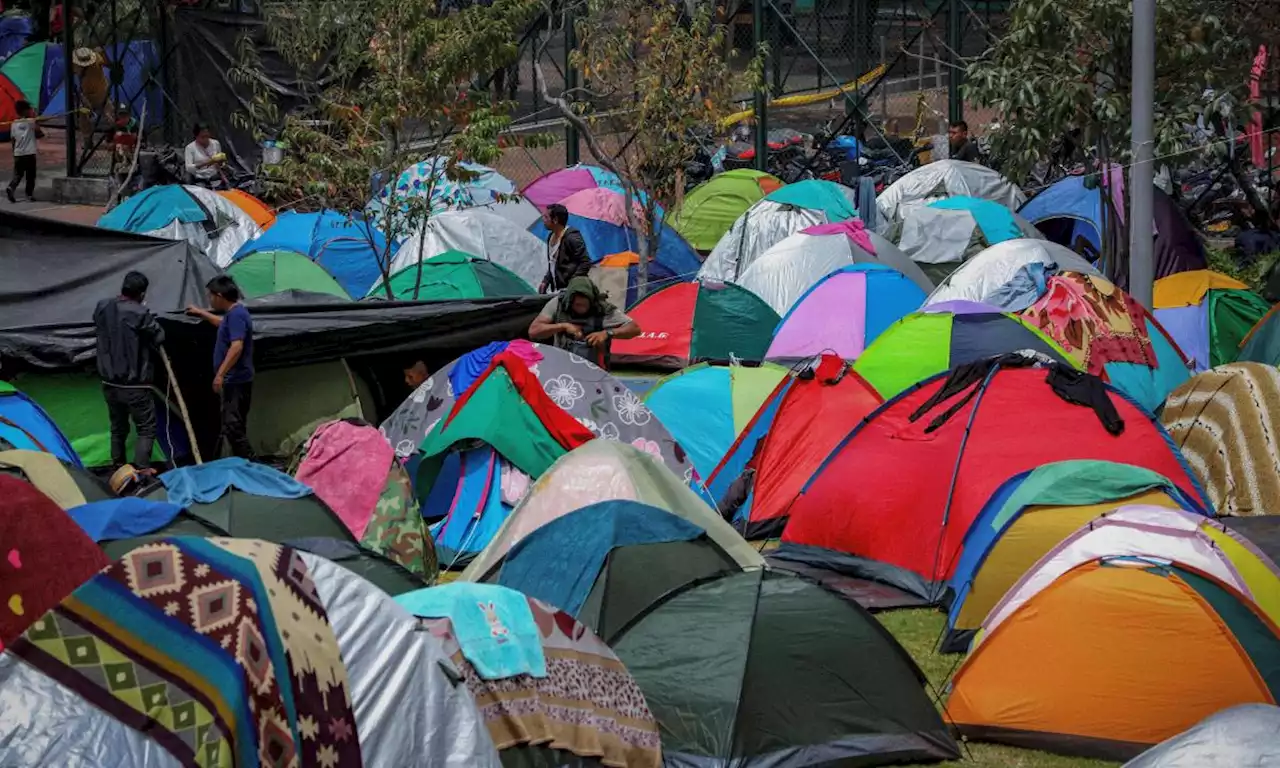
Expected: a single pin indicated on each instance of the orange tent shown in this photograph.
(261, 214)
(1114, 656)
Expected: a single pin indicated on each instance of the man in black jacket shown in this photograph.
(128, 335)
(566, 251)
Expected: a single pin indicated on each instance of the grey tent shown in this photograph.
(1239, 737)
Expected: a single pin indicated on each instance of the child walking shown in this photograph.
(24, 131)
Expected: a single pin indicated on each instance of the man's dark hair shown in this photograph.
(196, 130)
(558, 213)
(134, 286)
(962, 125)
(225, 287)
(21, 106)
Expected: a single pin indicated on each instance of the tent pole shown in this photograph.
(182, 406)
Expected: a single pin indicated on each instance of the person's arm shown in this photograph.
(574, 248)
(618, 326)
(151, 330)
(234, 351)
(206, 315)
(543, 328)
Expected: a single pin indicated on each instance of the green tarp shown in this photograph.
(267, 272)
(453, 275)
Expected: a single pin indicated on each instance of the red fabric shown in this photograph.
(10, 95)
(44, 556)
(563, 428)
(666, 323)
(815, 416)
(883, 496)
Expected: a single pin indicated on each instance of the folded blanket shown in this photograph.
(493, 625)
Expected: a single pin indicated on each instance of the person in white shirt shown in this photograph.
(204, 158)
(24, 131)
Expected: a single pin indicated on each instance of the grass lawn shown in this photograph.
(918, 631)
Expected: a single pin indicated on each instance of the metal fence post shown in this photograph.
(571, 150)
(69, 79)
(761, 98)
(884, 80)
(955, 41)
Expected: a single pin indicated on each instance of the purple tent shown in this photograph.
(555, 186)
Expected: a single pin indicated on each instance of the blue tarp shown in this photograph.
(138, 87)
(14, 31)
(208, 482)
(29, 428)
(123, 518)
(154, 208)
(350, 249)
(559, 562)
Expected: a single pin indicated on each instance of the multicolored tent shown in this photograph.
(706, 407)
(787, 270)
(473, 186)
(943, 179)
(600, 215)
(1110, 335)
(348, 247)
(780, 214)
(605, 470)
(1225, 422)
(452, 275)
(555, 186)
(1070, 213)
(844, 313)
(263, 273)
(203, 218)
(792, 432)
(1029, 515)
(1121, 633)
(945, 336)
(943, 234)
(33, 73)
(902, 490)
(758, 668)
(607, 562)
(686, 323)
(710, 208)
(25, 426)
(1009, 276)
(1208, 314)
(260, 212)
(478, 232)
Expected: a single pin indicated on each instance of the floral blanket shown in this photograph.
(1095, 322)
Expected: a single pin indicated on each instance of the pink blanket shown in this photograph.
(347, 467)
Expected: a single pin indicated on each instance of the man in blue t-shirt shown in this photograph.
(232, 360)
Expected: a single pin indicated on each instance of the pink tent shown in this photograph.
(555, 186)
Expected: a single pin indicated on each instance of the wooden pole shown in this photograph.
(182, 407)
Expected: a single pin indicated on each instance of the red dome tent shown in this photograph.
(686, 323)
(895, 499)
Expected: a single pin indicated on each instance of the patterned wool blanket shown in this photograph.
(588, 704)
(217, 649)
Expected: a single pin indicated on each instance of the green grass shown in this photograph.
(918, 631)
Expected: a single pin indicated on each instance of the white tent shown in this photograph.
(232, 227)
(947, 178)
(1247, 735)
(993, 276)
(480, 233)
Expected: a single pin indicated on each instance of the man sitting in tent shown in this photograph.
(128, 334)
(582, 321)
(416, 374)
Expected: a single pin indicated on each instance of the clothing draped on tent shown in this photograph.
(493, 625)
(346, 466)
(208, 482)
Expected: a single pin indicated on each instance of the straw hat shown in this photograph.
(84, 57)
(125, 481)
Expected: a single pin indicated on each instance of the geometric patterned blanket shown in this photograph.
(217, 649)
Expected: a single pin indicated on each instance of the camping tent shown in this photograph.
(709, 209)
(607, 562)
(67, 485)
(381, 670)
(134, 73)
(347, 247)
(452, 275)
(35, 71)
(787, 439)
(1243, 735)
(1225, 421)
(1007, 275)
(25, 425)
(1262, 343)
(480, 233)
(1120, 633)
(1108, 333)
(904, 487)
(603, 470)
(587, 392)
(1070, 213)
(943, 234)
(15, 28)
(263, 273)
(946, 336)
(1030, 514)
(585, 712)
(763, 668)
(555, 186)
(943, 179)
(259, 211)
(685, 323)
(777, 216)
(706, 407)
(1208, 315)
(205, 219)
(844, 312)
(783, 273)
(474, 186)
(600, 215)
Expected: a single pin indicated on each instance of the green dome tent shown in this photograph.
(711, 208)
(453, 275)
(266, 272)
